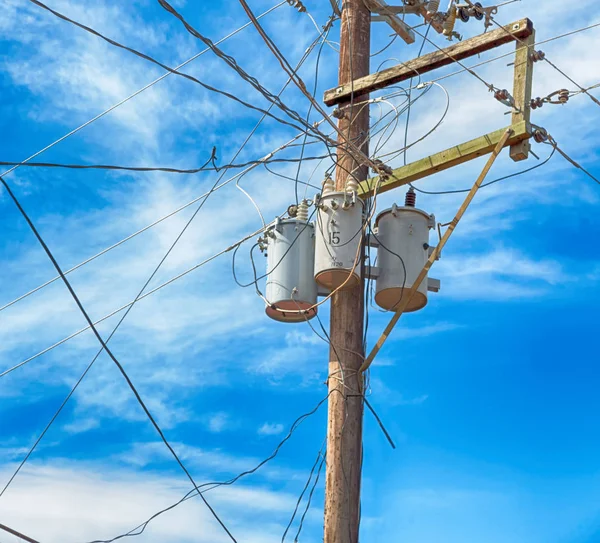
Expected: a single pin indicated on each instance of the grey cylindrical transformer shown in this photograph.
(403, 238)
(291, 287)
(339, 233)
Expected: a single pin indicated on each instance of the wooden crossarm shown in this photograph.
(518, 30)
(446, 159)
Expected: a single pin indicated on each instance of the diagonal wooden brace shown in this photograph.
(388, 15)
(436, 252)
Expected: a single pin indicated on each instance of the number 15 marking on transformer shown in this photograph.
(334, 238)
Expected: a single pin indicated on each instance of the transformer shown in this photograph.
(339, 231)
(403, 239)
(291, 285)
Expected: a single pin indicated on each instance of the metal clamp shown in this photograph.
(562, 97)
(504, 97)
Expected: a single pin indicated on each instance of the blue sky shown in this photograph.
(490, 393)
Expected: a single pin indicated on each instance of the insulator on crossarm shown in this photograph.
(328, 185)
(302, 213)
(563, 96)
(433, 6)
(536, 56)
(450, 21)
(536, 103)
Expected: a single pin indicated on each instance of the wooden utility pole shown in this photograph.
(344, 429)
(346, 357)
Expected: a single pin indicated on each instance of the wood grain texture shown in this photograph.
(522, 93)
(473, 46)
(345, 403)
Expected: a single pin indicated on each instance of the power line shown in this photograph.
(410, 95)
(553, 143)
(123, 307)
(165, 67)
(512, 52)
(17, 534)
(108, 351)
(189, 171)
(124, 316)
(309, 500)
(138, 297)
(310, 476)
(547, 60)
(138, 530)
(459, 191)
(317, 65)
(264, 161)
(454, 59)
(352, 149)
(139, 91)
(232, 63)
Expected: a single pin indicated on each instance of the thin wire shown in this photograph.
(392, 155)
(374, 413)
(310, 476)
(546, 59)
(490, 182)
(164, 66)
(394, 37)
(113, 313)
(473, 73)
(136, 93)
(310, 496)
(138, 530)
(410, 96)
(108, 351)
(512, 52)
(317, 65)
(203, 168)
(232, 63)
(572, 161)
(151, 225)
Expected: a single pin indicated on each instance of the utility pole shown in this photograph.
(345, 416)
(346, 357)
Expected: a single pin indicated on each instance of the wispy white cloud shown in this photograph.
(218, 422)
(91, 496)
(270, 429)
(389, 396)
(500, 274)
(190, 336)
(81, 425)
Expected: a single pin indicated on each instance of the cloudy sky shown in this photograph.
(490, 393)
